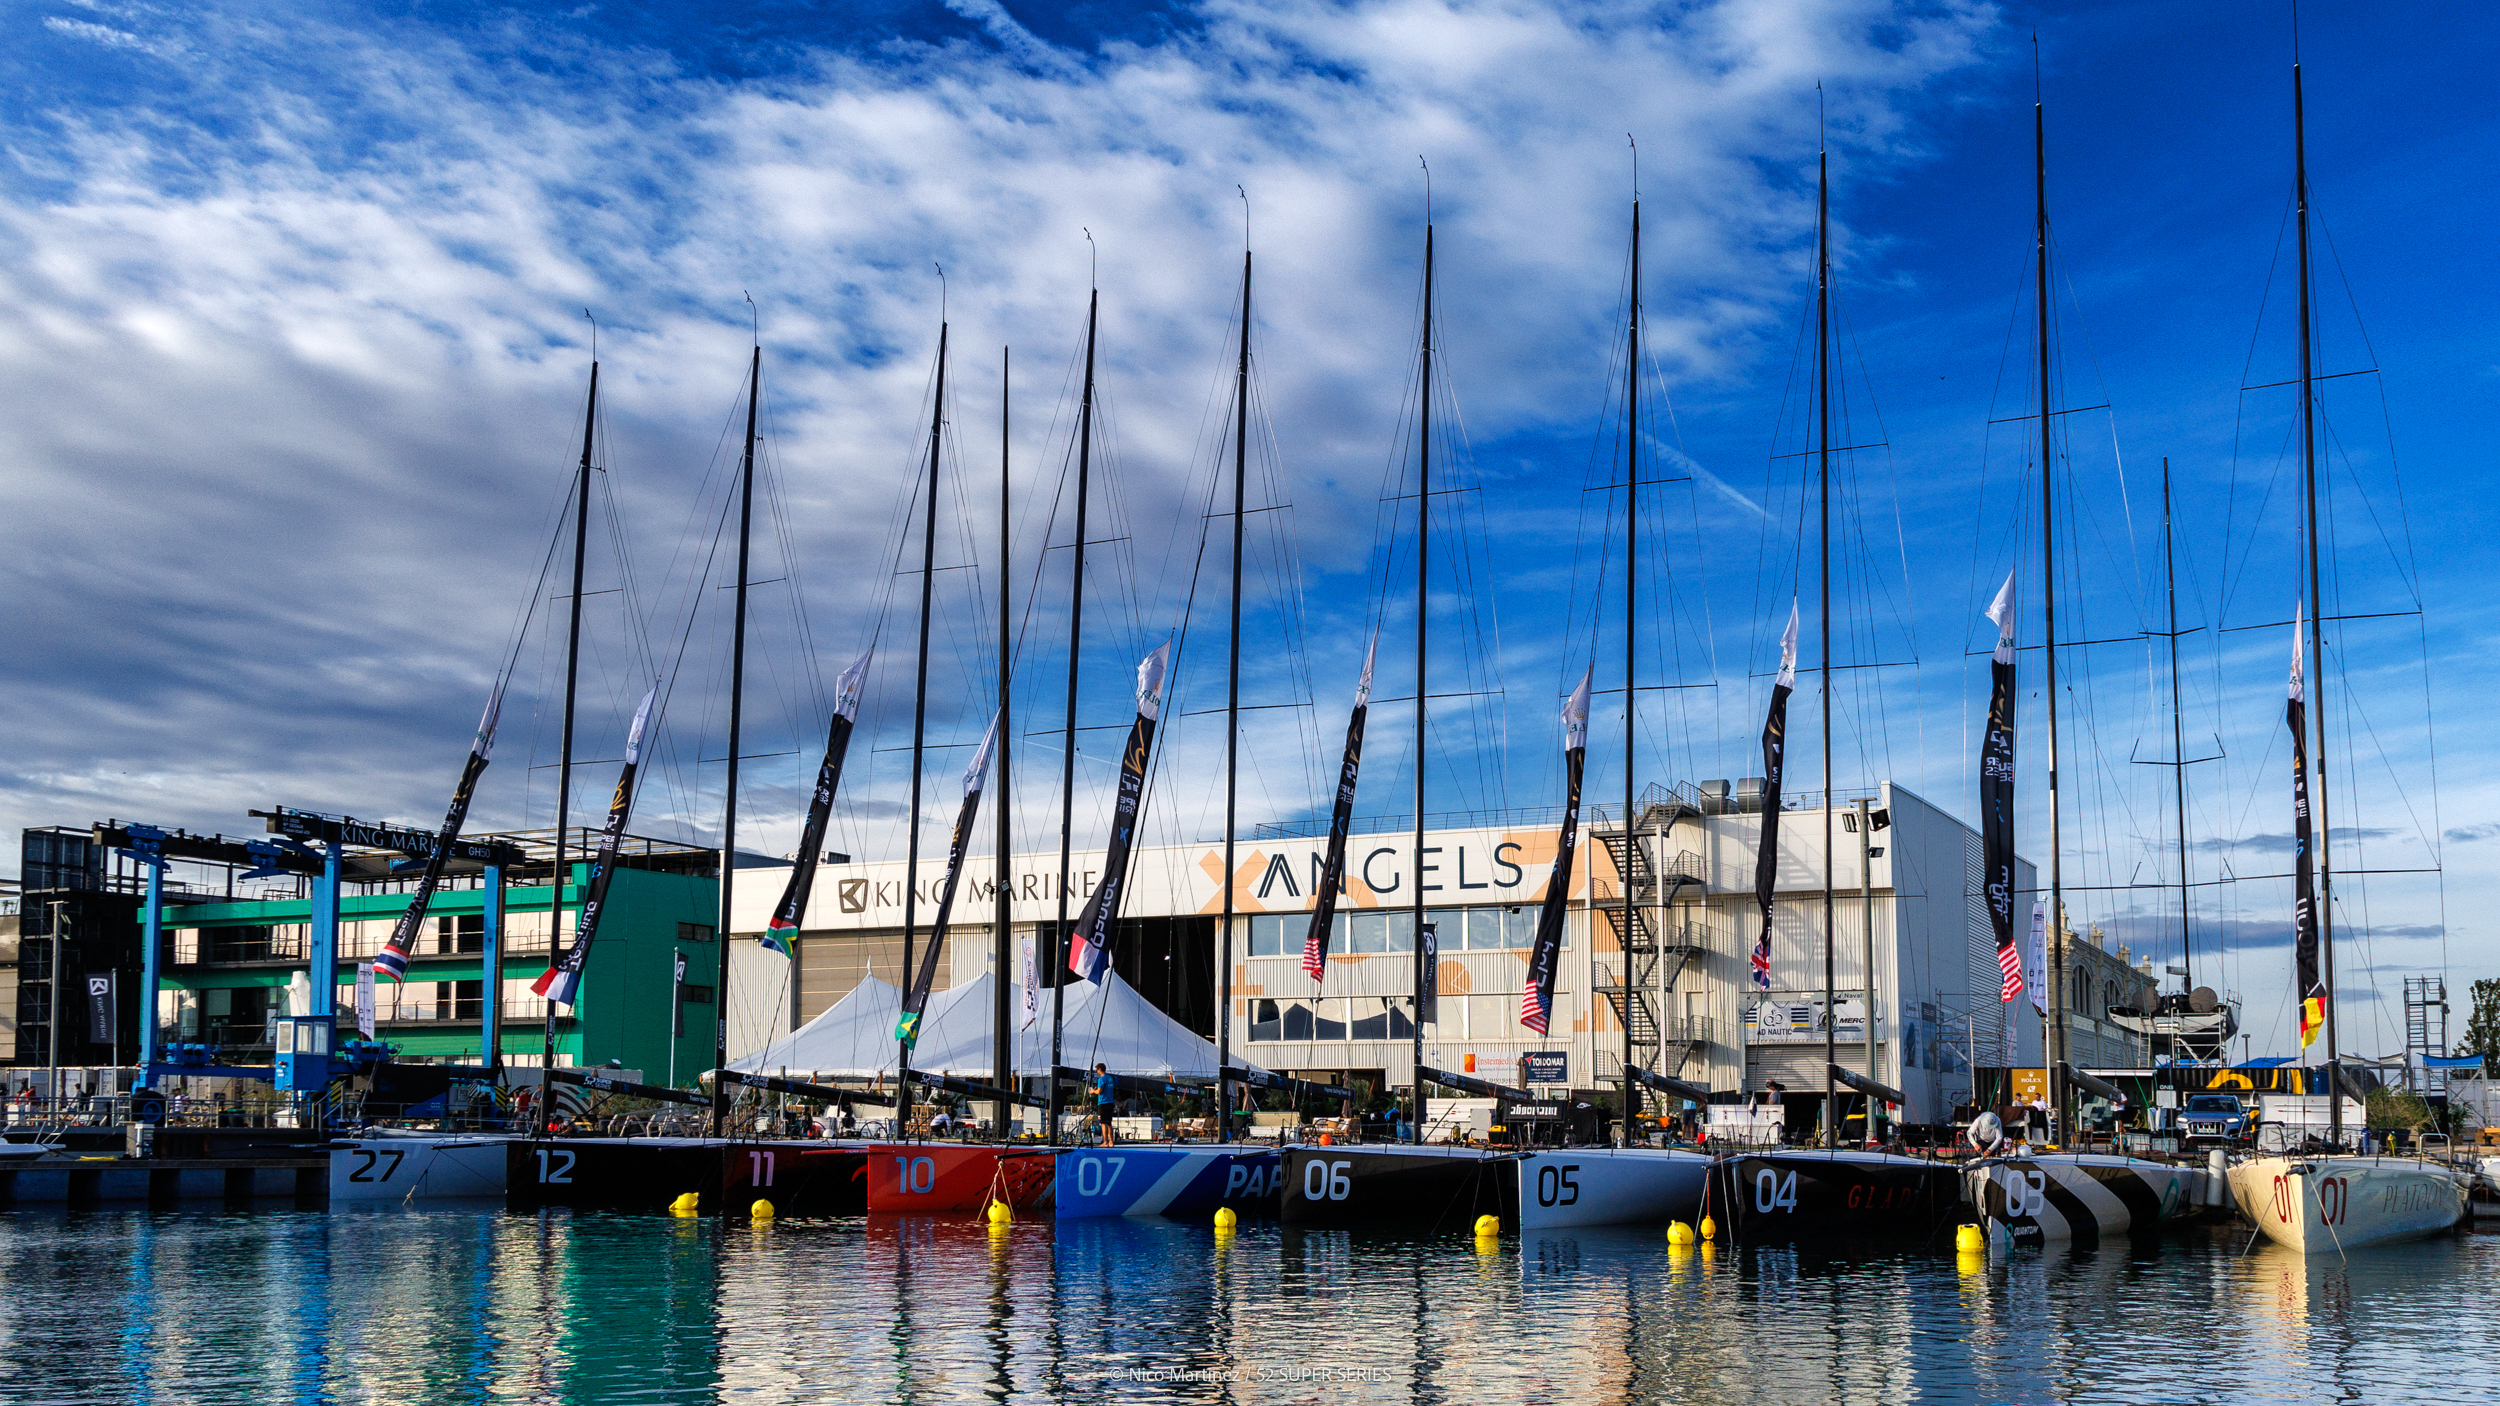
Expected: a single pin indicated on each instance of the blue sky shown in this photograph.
(290, 321)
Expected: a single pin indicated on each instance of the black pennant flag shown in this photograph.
(781, 933)
(1536, 1004)
(1332, 867)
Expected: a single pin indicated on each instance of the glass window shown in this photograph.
(1402, 931)
(1266, 936)
(1519, 926)
(1297, 1021)
(1329, 1023)
(1484, 930)
(1494, 1018)
(1265, 1023)
(1371, 1018)
(1369, 933)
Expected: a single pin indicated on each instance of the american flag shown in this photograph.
(1762, 961)
(1315, 952)
(2010, 962)
(1531, 1010)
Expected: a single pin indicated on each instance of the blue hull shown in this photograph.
(1181, 1183)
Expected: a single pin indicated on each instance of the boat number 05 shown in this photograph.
(1092, 1180)
(1558, 1186)
(1326, 1181)
(2026, 1194)
(915, 1174)
(558, 1172)
(365, 1172)
(1773, 1192)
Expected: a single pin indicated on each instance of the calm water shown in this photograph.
(481, 1305)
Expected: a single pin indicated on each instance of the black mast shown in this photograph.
(1004, 1067)
(1232, 721)
(1067, 740)
(2052, 1032)
(564, 765)
(1423, 615)
(2317, 609)
(2178, 732)
(1631, 590)
(920, 729)
(737, 706)
(1823, 478)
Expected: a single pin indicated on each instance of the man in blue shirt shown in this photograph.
(1105, 1090)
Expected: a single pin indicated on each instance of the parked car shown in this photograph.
(2214, 1120)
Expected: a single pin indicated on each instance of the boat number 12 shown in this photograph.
(558, 1172)
(1558, 1186)
(1773, 1192)
(365, 1172)
(917, 1175)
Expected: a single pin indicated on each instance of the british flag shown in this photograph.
(2010, 962)
(1762, 960)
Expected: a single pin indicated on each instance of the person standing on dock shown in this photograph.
(1105, 1092)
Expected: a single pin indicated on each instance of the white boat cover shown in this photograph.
(1109, 1023)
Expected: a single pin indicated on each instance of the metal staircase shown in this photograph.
(1651, 960)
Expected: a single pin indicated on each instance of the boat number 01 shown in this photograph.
(2333, 1195)
(1092, 1180)
(365, 1172)
(557, 1173)
(1326, 1181)
(917, 1175)
(1558, 1186)
(1773, 1192)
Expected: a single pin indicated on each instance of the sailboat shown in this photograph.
(2052, 1196)
(2329, 1200)
(1795, 1194)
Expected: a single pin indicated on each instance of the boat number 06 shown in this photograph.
(915, 1174)
(1558, 1186)
(1092, 1179)
(1326, 1181)
(1773, 1192)
(558, 1172)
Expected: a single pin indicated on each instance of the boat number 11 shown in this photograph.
(1773, 1192)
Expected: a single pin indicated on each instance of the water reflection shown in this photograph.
(477, 1305)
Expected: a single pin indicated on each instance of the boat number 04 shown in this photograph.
(558, 1172)
(2334, 1197)
(1092, 1180)
(917, 1175)
(1326, 1181)
(1773, 1192)
(371, 1156)
(1558, 1186)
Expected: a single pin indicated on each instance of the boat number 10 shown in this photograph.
(917, 1175)
(1558, 1186)
(1773, 1192)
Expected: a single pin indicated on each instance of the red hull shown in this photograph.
(936, 1178)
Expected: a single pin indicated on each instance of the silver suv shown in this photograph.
(2214, 1120)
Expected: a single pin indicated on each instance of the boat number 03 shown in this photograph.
(2026, 1194)
(1558, 1186)
(1091, 1177)
(915, 1174)
(1326, 1181)
(1773, 1192)
(371, 1156)
(556, 1172)
(760, 1168)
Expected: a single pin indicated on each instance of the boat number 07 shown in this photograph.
(1326, 1181)
(1773, 1192)
(1558, 1186)
(1092, 1180)
(365, 1172)
(917, 1175)
(557, 1173)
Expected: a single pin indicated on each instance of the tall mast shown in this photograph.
(920, 727)
(1067, 740)
(2052, 1033)
(493, 987)
(1423, 615)
(1631, 594)
(1823, 490)
(1003, 1070)
(2317, 609)
(737, 707)
(2178, 732)
(1232, 720)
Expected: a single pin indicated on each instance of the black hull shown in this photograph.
(1842, 1198)
(646, 1175)
(1411, 1190)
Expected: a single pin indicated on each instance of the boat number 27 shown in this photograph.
(371, 1157)
(1558, 1186)
(555, 1167)
(1773, 1192)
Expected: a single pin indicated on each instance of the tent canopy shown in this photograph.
(1107, 1023)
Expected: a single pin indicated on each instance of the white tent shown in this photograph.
(1108, 1024)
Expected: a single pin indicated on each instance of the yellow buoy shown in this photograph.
(1709, 1228)
(1226, 1218)
(761, 1210)
(1488, 1226)
(1969, 1240)
(1971, 1262)
(1678, 1233)
(686, 1205)
(1000, 1213)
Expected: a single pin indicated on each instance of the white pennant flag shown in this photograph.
(2036, 966)
(1029, 985)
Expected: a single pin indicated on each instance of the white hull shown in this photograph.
(2320, 1205)
(2077, 1195)
(1610, 1186)
(375, 1170)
